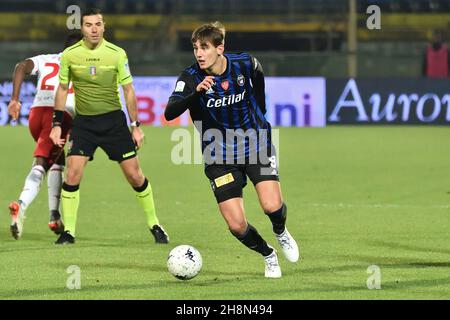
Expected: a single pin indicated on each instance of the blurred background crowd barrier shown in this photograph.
(291, 38)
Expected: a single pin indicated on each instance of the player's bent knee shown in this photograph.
(37, 173)
(272, 206)
(57, 167)
(237, 228)
(136, 179)
(43, 162)
(73, 177)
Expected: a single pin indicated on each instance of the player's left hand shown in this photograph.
(138, 136)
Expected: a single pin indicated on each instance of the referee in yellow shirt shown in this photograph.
(96, 67)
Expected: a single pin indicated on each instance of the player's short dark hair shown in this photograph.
(72, 38)
(213, 32)
(90, 12)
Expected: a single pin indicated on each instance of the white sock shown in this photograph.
(32, 186)
(54, 183)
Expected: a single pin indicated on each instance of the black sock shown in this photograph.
(278, 219)
(143, 187)
(253, 240)
(69, 188)
(55, 215)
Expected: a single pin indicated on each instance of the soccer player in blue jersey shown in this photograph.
(226, 100)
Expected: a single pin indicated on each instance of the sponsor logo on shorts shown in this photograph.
(129, 154)
(223, 180)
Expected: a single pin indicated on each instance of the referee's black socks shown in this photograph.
(278, 219)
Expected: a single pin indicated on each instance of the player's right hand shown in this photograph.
(55, 136)
(14, 109)
(207, 83)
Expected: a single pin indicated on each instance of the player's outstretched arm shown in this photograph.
(177, 106)
(58, 114)
(130, 100)
(22, 69)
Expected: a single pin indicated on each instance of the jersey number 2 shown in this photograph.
(50, 75)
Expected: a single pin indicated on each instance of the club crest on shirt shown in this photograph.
(240, 80)
(225, 85)
(92, 70)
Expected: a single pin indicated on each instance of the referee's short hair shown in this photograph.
(90, 12)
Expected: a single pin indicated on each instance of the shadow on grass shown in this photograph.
(143, 267)
(406, 247)
(413, 285)
(382, 262)
(37, 242)
(395, 262)
(45, 237)
(151, 286)
(294, 289)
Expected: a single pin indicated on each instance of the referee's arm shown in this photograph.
(63, 88)
(58, 114)
(61, 97)
(130, 100)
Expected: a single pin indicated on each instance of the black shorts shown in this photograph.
(108, 131)
(228, 180)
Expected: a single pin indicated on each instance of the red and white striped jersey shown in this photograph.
(46, 66)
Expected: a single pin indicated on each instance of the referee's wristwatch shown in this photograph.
(135, 124)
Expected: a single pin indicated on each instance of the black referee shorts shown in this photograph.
(108, 131)
(228, 180)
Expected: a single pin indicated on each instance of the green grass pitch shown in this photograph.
(356, 197)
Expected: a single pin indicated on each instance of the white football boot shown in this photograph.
(272, 269)
(288, 246)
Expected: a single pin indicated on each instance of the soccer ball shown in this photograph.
(184, 262)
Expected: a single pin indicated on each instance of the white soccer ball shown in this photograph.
(184, 262)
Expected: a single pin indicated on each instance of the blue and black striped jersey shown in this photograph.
(236, 101)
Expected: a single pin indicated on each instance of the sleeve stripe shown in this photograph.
(71, 48)
(125, 78)
(111, 48)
